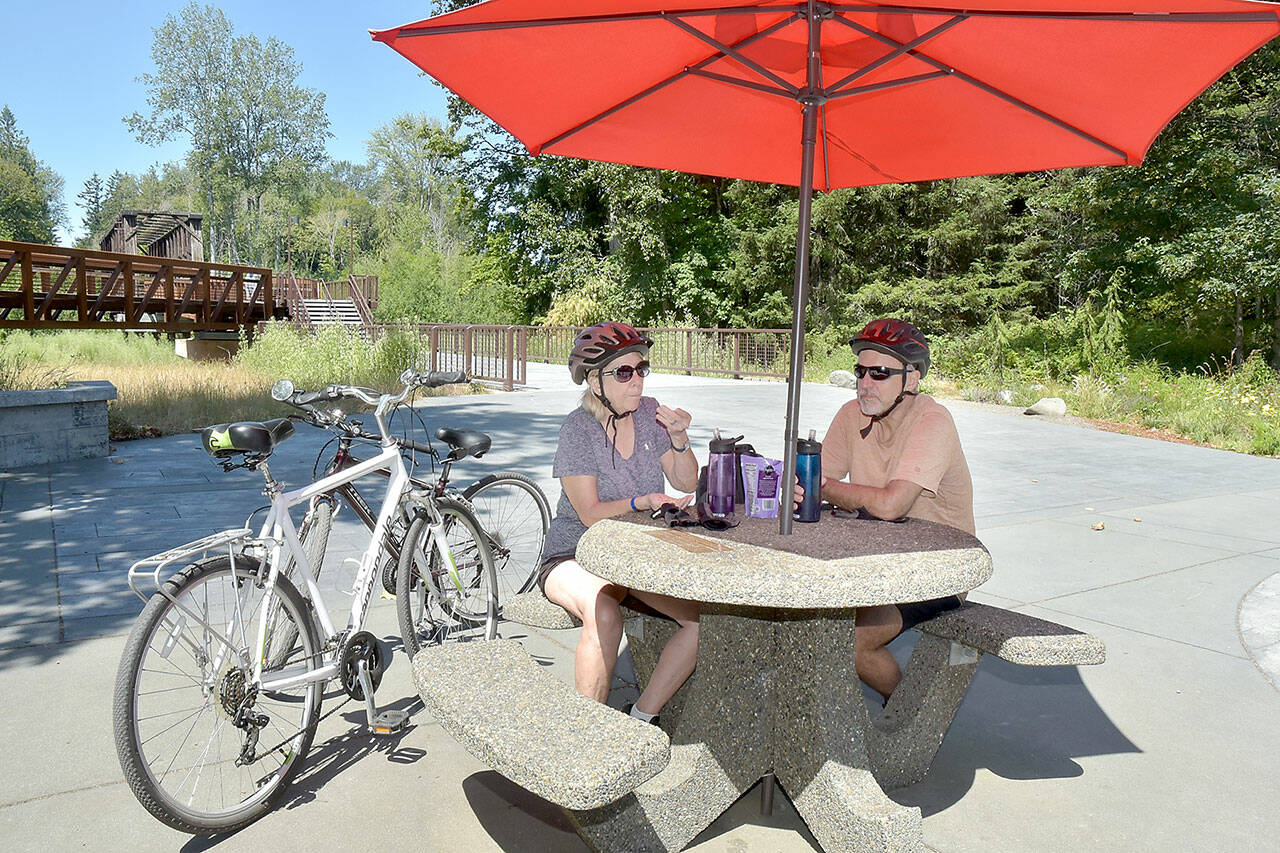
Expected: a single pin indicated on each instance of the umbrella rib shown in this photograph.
(894, 54)
(734, 53)
(1131, 18)
(991, 90)
(738, 81)
(662, 84)
(890, 84)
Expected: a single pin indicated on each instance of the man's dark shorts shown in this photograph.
(922, 611)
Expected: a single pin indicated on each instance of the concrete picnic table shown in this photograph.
(775, 688)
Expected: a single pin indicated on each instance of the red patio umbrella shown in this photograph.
(836, 94)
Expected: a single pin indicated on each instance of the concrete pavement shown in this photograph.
(1172, 744)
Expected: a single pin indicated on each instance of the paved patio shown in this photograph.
(1172, 744)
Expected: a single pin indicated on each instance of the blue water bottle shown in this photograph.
(809, 473)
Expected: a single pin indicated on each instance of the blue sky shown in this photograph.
(69, 76)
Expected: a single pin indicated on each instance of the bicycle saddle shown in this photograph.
(465, 442)
(222, 440)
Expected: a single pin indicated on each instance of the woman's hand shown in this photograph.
(650, 502)
(675, 422)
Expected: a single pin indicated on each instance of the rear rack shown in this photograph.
(149, 568)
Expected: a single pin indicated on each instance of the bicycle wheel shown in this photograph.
(515, 515)
(315, 539)
(203, 750)
(431, 605)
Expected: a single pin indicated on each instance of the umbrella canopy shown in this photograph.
(836, 94)
(910, 94)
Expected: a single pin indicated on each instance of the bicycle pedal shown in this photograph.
(389, 722)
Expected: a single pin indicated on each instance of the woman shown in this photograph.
(614, 452)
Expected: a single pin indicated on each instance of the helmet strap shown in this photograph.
(614, 417)
(866, 430)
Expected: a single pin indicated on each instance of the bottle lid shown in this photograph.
(724, 445)
(806, 446)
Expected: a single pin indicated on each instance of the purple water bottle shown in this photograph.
(720, 476)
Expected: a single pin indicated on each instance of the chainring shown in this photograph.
(361, 646)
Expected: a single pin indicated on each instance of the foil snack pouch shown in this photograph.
(760, 478)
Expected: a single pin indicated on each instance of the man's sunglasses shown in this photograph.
(625, 373)
(878, 373)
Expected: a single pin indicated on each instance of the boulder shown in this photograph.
(1005, 396)
(1053, 407)
(843, 378)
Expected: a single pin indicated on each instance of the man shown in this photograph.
(902, 455)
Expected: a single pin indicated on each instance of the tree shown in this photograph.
(252, 128)
(91, 200)
(30, 192)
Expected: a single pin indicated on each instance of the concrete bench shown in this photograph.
(533, 609)
(1015, 637)
(538, 732)
(906, 737)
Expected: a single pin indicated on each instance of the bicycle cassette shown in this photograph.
(362, 646)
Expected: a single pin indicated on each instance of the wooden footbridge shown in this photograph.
(54, 287)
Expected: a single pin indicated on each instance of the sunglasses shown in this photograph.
(879, 374)
(674, 516)
(626, 372)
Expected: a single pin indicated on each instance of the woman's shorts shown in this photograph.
(545, 569)
(630, 601)
(922, 611)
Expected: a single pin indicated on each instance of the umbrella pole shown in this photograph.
(800, 294)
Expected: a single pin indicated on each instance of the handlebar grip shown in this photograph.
(410, 444)
(436, 378)
(307, 398)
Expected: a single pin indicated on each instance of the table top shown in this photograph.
(833, 564)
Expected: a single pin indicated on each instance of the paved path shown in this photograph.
(1172, 744)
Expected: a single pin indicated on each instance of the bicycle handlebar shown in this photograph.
(306, 400)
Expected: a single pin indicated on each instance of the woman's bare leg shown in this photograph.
(678, 657)
(594, 601)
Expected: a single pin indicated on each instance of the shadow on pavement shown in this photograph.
(516, 819)
(1018, 722)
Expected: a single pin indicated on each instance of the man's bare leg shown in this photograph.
(876, 628)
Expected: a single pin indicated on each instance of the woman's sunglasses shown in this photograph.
(674, 516)
(625, 373)
(879, 374)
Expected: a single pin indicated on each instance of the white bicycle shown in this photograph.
(218, 692)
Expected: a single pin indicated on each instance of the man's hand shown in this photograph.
(798, 495)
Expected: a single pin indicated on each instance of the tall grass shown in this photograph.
(160, 393)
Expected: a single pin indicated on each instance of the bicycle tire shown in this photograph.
(172, 668)
(515, 514)
(315, 540)
(430, 607)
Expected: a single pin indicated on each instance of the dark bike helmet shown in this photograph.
(600, 344)
(899, 339)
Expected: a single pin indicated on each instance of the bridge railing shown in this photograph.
(51, 287)
(501, 353)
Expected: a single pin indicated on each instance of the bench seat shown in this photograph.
(532, 609)
(1015, 637)
(536, 731)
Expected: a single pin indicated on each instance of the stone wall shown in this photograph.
(54, 425)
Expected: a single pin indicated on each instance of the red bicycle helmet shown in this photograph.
(897, 338)
(600, 344)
